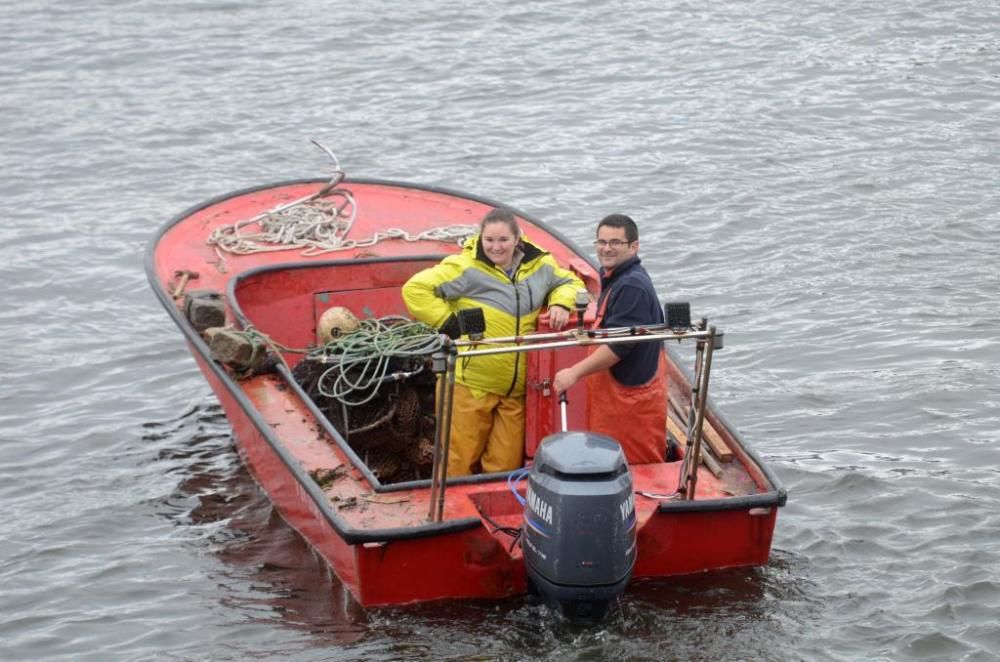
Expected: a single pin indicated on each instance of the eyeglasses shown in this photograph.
(614, 243)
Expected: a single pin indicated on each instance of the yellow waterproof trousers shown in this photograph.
(487, 433)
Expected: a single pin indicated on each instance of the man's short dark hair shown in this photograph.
(621, 221)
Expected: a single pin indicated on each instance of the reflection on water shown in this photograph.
(272, 573)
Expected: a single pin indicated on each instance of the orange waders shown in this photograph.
(634, 416)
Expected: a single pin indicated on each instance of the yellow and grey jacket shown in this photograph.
(511, 305)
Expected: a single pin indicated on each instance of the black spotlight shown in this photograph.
(678, 315)
(472, 322)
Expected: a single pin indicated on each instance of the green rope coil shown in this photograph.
(363, 357)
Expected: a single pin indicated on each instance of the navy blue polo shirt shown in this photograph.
(631, 301)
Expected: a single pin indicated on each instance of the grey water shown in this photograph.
(817, 178)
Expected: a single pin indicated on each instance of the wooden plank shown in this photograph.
(708, 433)
(722, 451)
(708, 460)
(675, 429)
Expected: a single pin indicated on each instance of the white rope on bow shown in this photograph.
(316, 224)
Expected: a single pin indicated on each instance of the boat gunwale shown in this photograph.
(349, 534)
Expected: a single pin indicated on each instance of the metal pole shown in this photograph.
(695, 385)
(700, 418)
(585, 342)
(699, 356)
(440, 363)
(588, 337)
(446, 432)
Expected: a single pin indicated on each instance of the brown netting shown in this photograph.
(421, 451)
(385, 466)
(390, 433)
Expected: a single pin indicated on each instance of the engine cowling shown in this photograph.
(579, 528)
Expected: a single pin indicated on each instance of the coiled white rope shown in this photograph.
(311, 226)
(315, 228)
(316, 224)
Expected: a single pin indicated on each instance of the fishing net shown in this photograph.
(373, 387)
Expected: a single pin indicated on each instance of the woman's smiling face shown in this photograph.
(499, 242)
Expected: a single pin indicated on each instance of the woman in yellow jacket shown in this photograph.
(511, 279)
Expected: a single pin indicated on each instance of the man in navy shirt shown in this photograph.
(627, 381)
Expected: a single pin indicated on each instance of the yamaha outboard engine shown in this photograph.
(579, 523)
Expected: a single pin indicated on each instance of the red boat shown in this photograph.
(247, 278)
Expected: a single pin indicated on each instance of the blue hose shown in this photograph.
(514, 478)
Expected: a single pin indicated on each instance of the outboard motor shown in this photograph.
(579, 523)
